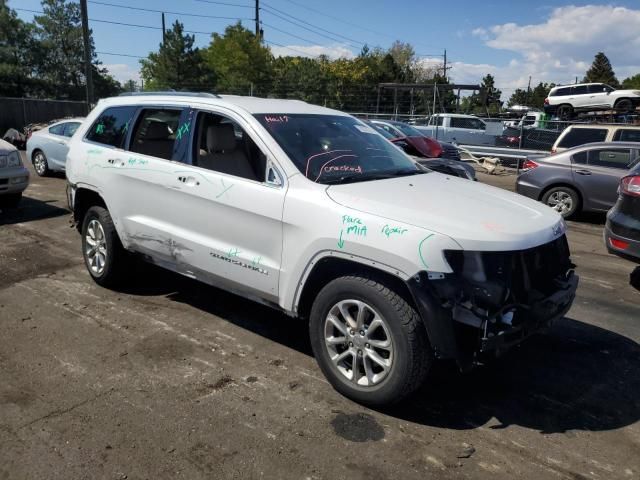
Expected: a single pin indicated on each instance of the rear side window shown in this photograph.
(610, 158)
(156, 132)
(57, 129)
(111, 127)
(473, 123)
(561, 92)
(623, 135)
(70, 128)
(580, 90)
(580, 136)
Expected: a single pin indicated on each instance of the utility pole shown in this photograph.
(164, 31)
(258, 20)
(87, 53)
(445, 65)
(526, 102)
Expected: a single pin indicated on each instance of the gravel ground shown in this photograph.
(173, 379)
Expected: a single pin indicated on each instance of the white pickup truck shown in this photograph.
(461, 129)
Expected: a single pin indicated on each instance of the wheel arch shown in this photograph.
(573, 187)
(330, 267)
(84, 199)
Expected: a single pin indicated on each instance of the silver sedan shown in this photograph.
(14, 177)
(584, 178)
(47, 148)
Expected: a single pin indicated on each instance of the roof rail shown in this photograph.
(170, 93)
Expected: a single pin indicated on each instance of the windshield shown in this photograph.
(336, 149)
(408, 130)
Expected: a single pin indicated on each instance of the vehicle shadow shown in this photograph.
(594, 218)
(576, 377)
(634, 278)
(30, 209)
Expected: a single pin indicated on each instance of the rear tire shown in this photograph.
(565, 112)
(104, 255)
(40, 163)
(564, 200)
(387, 342)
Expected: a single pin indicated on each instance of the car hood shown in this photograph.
(6, 147)
(476, 216)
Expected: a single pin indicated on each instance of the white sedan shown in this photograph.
(47, 148)
(14, 177)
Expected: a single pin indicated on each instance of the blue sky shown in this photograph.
(547, 40)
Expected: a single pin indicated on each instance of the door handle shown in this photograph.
(115, 162)
(583, 172)
(191, 181)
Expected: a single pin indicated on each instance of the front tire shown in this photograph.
(104, 255)
(40, 164)
(368, 341)
(564, 200)
(624, 105)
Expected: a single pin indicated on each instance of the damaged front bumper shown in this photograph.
(494, 300)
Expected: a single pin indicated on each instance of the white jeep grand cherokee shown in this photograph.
(312, 212)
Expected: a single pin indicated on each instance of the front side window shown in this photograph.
(624, 135)
(580, 136)
(610, 157)
(222, 145)
(335, 148)
(156, 132)
(111, 127)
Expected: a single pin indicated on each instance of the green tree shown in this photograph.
(534, 98)
(601, 71)
(15, 48)
(632, 82)
(59, 53)
(242, 63)
(486, 101)
(177, 64)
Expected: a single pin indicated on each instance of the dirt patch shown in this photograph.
(357, 427)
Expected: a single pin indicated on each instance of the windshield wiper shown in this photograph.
(357, 177)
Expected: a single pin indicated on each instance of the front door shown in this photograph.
(225, 217)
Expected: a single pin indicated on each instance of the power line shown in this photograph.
(310, 24)
(136, 25)
(320, 12)
(225, 3)
(287, 33)
(119, 54)
(166, 11)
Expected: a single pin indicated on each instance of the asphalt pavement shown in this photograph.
(170, 378)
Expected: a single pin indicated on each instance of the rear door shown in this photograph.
(598, 172)
(470, 131)
(55, 145)
(580, 97)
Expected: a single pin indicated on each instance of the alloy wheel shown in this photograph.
(39, 163)
(561, 202)
(96, 247)
(359, 342)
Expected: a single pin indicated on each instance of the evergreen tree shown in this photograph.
(177, 64)
(14, 53)
(58, 53)
(601, 72)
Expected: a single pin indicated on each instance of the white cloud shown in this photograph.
(559, 49)
(123, 72)
(331, 51)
